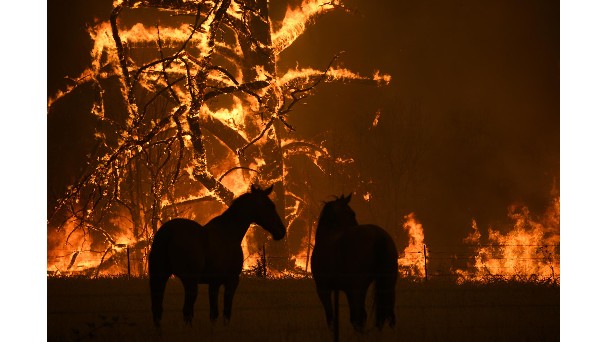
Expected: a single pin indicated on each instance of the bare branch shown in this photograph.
(165, 146)
(245, 87)
(160, 52)
(234, 169)
(120, 50)
(241, 150)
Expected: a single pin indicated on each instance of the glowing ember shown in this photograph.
(376, 119)
(367, 196)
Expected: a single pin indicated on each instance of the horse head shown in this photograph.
(265, 213)
(338, 213)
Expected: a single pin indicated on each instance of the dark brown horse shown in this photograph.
(348, 257)
(209, 254)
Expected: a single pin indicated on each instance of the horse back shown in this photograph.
(179, 246)
(371, 236)
(367, 247)
(360, 251)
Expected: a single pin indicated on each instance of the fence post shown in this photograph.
(128, 263)
(425, 272)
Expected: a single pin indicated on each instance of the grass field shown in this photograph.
(289, 310)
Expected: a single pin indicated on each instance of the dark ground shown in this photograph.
(288, 310)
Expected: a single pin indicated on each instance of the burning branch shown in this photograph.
(294, 92)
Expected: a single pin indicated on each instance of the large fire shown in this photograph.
(528, 251)
(202, 113)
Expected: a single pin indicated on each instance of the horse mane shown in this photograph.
(240, 199)
(237, 203)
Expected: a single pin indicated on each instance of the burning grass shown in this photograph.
(525, 249)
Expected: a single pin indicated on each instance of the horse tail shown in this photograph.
(159, 271)
(386, 279)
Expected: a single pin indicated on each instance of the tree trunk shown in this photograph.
(255, 56)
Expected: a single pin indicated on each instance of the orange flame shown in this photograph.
(412, 261)
(333, 74)
(296, 20)
(105, 65)
(73, 253)
(529, 251)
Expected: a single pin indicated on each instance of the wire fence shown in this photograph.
(491, 261)
(267, 310)
(283, 310)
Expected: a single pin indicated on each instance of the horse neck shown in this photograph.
(328, 231)
(332, 229)
(238, 219)
(347, 223)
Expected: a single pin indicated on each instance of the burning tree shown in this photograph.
(189, 112)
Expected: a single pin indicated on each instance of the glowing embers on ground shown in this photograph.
(528, 251)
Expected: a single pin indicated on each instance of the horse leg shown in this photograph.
(325, 297)
(157, 291)
(356, 303)
(214, 289)
(191, 290)
(229, 290)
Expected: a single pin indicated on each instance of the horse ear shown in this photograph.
(268, 190)
(347, 198)
(254, 188)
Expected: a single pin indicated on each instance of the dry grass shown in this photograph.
(289, 310)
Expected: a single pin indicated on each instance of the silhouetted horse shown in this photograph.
(349, 257)
(209, 254)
